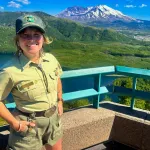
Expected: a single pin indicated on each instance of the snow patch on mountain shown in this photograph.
(87, 14)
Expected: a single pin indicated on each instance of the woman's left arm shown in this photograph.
(59, 97)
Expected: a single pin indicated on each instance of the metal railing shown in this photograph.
(97, 89)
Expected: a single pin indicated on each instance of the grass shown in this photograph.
(3, 122)
(96, 54)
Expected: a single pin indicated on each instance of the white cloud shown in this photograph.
(117, 5)
(13, 4)
(24, 1)
(130, 6)
(1, 8)
(143, 5)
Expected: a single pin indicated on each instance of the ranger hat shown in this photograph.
(29, 21)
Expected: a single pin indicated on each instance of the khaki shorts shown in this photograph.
(47, 131)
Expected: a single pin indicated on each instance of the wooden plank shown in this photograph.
(133, 72)
(90, 71)
(79, 94)
(86, 93)
(106, 90)
(10, 105)
(122, 91)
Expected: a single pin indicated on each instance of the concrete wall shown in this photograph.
(131, 131)
(146, 136)
(88, 126)
(85, 127)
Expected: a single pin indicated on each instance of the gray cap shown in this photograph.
(29, 21)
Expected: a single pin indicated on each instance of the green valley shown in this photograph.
(78, 46)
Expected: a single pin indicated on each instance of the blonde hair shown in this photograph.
(47, 40)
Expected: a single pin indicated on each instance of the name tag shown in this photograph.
(25, 86)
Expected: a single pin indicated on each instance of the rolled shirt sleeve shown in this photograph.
(60, 72)
(6, 84)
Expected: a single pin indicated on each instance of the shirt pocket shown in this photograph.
(30, 90)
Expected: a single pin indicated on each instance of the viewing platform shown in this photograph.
(101, 124)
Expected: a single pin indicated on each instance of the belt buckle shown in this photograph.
(49, 112)
(32, 115)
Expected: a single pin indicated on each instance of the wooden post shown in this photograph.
(133, 92)
(97, 84)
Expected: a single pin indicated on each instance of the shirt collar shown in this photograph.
(25, 62)
(44, 57)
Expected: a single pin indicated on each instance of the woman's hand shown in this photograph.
(60, 108)
(21, 126)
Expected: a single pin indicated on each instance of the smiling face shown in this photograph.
(31, 41)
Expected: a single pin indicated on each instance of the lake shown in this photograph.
(4, 58)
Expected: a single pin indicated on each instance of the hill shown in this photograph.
(63, 29)
(78, 46)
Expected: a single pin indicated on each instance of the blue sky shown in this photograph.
(135, 8)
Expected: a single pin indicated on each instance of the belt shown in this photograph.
(46, 113)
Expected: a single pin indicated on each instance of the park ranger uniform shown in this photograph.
(34, 89)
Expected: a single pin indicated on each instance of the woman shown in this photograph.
(33, 78)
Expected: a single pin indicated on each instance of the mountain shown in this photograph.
(95, 13)
(103, 16)
(63, 29)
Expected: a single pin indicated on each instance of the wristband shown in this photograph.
(60, 99)
(19, 129)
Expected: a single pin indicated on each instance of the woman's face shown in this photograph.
(31, 42)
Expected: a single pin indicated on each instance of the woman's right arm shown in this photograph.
(6, 85)
(12, 121)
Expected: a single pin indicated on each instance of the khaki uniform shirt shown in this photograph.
(33, 86)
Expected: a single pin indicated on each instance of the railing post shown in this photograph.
(133, 92)
(97, 84)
